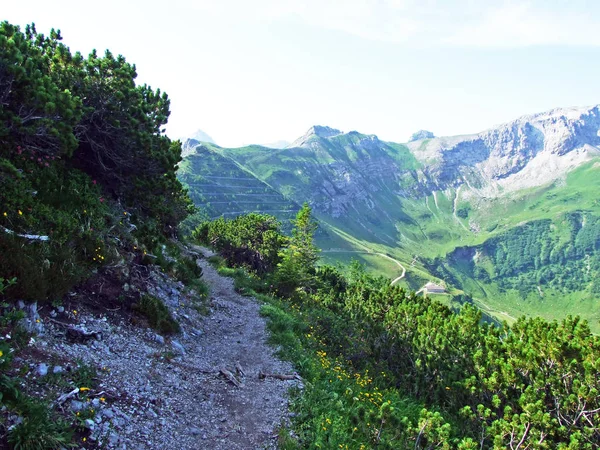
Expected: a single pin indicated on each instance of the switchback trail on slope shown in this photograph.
(370, 252)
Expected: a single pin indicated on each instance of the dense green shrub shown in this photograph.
(535, 384)
(62, 204)
(39, 430)
(252, 241)
(83, 162)
(158, 314)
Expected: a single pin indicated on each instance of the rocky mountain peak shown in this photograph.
(421, 134)
(324, 132)
(315, 131)
(201, 136)
(530, 151)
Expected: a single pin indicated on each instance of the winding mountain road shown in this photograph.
(371, 252)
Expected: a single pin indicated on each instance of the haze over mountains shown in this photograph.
(423, 201)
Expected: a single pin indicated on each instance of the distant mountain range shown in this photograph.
(201, 136)
(523, 190)
(277, 144)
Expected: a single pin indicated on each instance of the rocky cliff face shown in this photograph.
(530, 151)
(382, 187)
(313, 135)
(347, 171)
(188, 147)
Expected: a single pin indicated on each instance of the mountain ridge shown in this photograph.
(421, 200)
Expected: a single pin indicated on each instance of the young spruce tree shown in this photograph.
(299, 258)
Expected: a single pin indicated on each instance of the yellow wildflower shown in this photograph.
(1, 353)
(5, 214)
(81, 389)
(20, 212)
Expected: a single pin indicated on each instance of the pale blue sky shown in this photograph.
(263, 70)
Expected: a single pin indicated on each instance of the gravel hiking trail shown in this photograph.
(174, 393)
(197, 389)
(222, 415)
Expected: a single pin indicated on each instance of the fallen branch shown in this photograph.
(239, 370)
(106, 394)
(262, 375)
(75, 333)
(227, 374)
(63, 398)
(33, 237)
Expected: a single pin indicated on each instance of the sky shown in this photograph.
(255, 72)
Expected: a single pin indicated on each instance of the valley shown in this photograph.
(438, 206)
(339, 290)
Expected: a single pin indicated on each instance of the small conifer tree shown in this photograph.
(299, 258)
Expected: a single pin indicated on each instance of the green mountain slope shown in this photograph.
(443, 207)
(221, 187)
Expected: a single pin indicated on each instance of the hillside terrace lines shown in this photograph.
(247, 203)
(246, 212)
(244, 193)
(228, 178)
(228, 195)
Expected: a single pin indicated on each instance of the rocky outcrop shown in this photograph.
(189, 147)
(420, 135)
(201, 136)
(315, 132)
(530, 151)
(346, 170)
(363, 178)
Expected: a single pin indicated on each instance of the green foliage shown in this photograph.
(36, 112)
(57, 202)
(158, 314)
(252, 241)
(83, 162)
(85, 375)
(463, 212)
(454, 361)
(187, 270)
(534, 384)
(38, 430)
(541, 253)
(546, 267)
(298, 260)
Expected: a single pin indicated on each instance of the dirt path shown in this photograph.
(230, 417)
(167, 392)
(370, 252)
